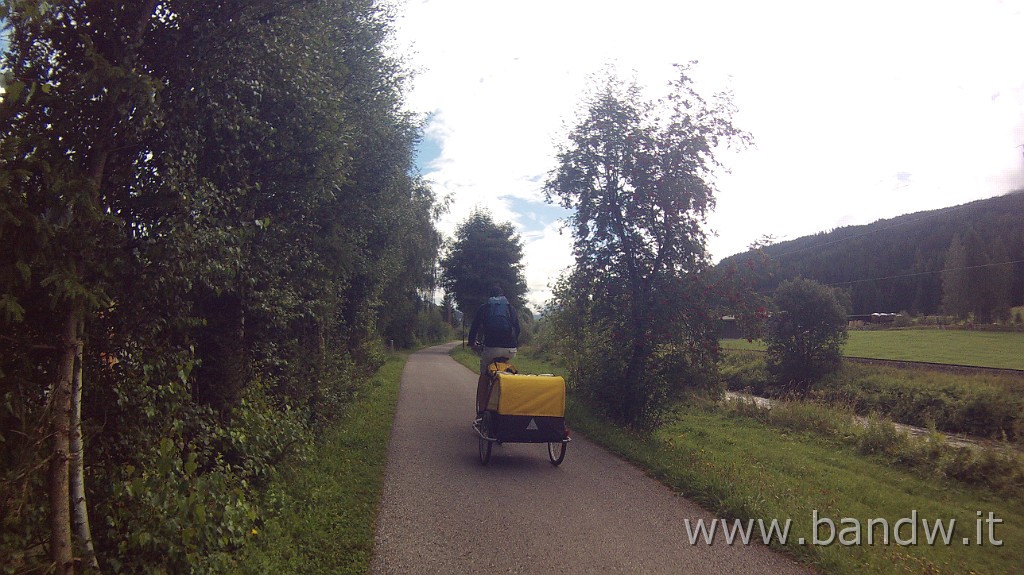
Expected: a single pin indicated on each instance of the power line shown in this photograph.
(927, 273)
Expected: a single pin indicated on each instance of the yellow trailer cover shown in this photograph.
(536, 395)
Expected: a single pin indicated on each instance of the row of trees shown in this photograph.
(208, 223)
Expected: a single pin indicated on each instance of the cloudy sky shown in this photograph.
(859, 111)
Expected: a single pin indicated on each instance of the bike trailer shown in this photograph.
(527, 408)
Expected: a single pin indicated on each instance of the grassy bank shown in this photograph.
(960, 347)
(740, 466)
(326, 507)
(989, 405)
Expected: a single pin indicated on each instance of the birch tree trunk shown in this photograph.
(80, 511)
(60, 431)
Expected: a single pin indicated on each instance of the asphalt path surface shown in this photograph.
(444, 512)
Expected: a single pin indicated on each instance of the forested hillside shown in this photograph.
(208, 224)
(963, 261)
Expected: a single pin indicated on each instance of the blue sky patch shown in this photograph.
(427, 151)
(535, 215)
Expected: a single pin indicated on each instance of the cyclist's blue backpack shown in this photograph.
(498, 330)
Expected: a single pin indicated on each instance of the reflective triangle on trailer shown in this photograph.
(532, 426)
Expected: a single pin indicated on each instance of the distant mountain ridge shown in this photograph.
(897, 265)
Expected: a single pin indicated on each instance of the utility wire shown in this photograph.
(927, 273)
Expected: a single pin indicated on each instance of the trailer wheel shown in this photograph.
(556, 452)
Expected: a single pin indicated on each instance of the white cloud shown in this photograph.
(547, 254)
(841, 100)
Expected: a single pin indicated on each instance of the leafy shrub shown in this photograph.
(260, 436)
(805, 335)
(174, 487)
(685, 374)
(880, 437)
(990, 413)
(175, 517)
(999, 470)
(744, 371)
(902, 320)
(952, 403)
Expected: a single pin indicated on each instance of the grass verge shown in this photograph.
(742, 468)
(326, 508)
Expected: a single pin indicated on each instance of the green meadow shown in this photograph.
(1003, 350)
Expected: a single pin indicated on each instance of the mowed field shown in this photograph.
(1003, 350)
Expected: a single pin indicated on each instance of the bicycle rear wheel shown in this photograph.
(484, 445)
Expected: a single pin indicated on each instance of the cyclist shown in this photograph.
(493, 334)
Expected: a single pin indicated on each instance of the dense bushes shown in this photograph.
(805, 334)
(975, 405)
(746, 371)
(209, 219)
(980, 405)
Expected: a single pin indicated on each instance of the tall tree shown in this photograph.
(995, 283)
(74, 114)
(638, 176)
(484, 253)
(956, 289)
(978, 278)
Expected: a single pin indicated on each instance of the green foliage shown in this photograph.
(881, 437)
(958, 404)
(410, 321)
(177, 488)
(180, 520)
(990, 406)
(990, 413)
(484, 253)
(326, 505)
(805, 335)
(431, 328)
(974, 284)
(929, 456)
(638, 177)
(223, 193)
(745, 371)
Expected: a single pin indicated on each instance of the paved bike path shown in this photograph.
(443, 512)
